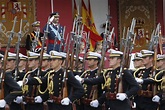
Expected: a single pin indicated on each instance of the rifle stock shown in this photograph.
(5, 59)
(17, 51)
(66, 68)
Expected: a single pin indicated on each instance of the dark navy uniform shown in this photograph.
(55, 33)
(160, 79)
(90, 90)
(11, 88)
(56, 86)
(19, 77)
(109, 82)
(30, 92)
(144, 98)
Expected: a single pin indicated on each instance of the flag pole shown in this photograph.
(52, 6)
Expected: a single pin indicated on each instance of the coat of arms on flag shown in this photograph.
(23, 9)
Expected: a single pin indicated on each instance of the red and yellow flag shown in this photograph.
(89, 25)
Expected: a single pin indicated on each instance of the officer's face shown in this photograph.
(36, 29)
(138, 63)
(146, 60)
(56, 19)
(22, 63)
(45, 63)
(33, 63)
(113, 62)
(160, 63)
(91, 63)
(55, 63)
(10, 65)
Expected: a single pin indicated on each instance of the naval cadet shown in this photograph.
(160, 79)
(56, 82)
(144, 98)
(113, 99)
(11, 87)
(31, 92)
(92, 92)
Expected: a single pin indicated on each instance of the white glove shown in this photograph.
(139, 80)
(121, 96)
(38, 99)
(20, 83)
(51, 19)
(94, 103)
(78, 78)
(2, 103)
(156, 98)
(65, 101)
(18, 99)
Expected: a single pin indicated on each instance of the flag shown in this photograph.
(75, 12)
(89, 26)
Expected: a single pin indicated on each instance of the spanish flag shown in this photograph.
(89, 25)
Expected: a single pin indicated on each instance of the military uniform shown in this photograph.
(54, 80)
(55, 33)
(33, 40)
(160, 80)
(30, 92)
(11, 88)
(144, 98)
(92, 92)
(110, 81)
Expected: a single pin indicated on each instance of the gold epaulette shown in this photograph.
(138, 69)
(155, 78)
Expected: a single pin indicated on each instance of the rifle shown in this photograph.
(64, 81)
(86, 50)
(75, 32)
(17, 51)
(42, 48)
(41, 54)
(5, 59)
(126, 53)
(155, 42)
(78, 43)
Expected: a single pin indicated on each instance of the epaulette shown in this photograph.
(138, 69)
(160, 72)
